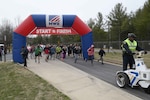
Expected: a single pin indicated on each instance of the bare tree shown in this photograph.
(6, 30)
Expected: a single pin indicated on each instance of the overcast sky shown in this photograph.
(85, 9)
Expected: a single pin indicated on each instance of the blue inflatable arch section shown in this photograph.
(34, 21)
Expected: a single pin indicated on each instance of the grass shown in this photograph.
(18, 83)
(116, 57)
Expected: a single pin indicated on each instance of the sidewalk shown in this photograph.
(75, 83)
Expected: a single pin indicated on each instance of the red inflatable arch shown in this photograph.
(50, 24)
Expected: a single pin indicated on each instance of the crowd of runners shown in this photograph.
(51, 52)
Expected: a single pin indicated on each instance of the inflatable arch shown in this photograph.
(33, 22)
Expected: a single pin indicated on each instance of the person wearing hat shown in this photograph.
(129, 47)
(91, 53)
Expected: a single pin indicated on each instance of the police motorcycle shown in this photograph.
(139, 76)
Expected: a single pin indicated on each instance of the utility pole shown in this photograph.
(108, 35)
(119, 34)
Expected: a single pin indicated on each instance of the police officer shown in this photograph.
(129, 47)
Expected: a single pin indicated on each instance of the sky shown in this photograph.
(14, 10)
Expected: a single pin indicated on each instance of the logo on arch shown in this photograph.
(54, 21)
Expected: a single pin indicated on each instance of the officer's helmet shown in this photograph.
(131, 35)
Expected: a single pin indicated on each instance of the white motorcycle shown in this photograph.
(140, 76)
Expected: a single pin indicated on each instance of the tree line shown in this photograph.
(119, 23)
(115, 27)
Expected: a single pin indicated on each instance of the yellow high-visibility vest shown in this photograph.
(132, 45)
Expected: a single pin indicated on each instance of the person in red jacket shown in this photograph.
(91, 53)
(46, 51)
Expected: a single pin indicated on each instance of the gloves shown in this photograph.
(130, 53)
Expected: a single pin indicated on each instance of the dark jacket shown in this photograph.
(101, 52)
(24, 52)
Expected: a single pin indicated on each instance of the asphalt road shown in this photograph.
(107, 73)
(104, 72)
